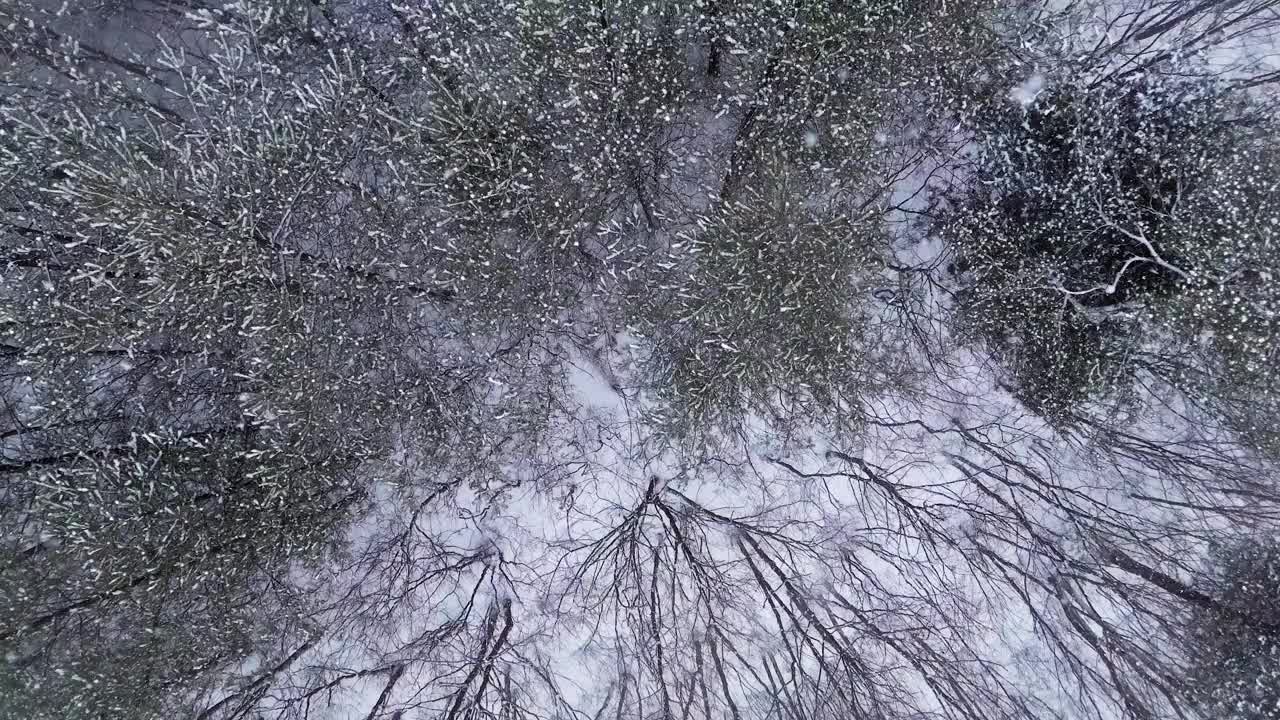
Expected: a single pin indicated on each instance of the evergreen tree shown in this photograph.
(1234, 648)
(1118, 233)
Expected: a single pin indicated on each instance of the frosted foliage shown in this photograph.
(1235, 648)
(1118, 230)
(637, 359)
(764, 292)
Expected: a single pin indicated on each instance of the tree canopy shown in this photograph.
(609, 359)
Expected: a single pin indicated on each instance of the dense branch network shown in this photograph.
(610, 359)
